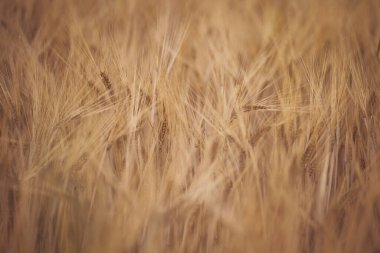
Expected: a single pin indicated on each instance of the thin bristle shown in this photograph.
(189, 126)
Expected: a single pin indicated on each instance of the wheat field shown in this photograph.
(189, 126)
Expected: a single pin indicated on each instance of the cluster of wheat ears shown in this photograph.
(189, 126)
